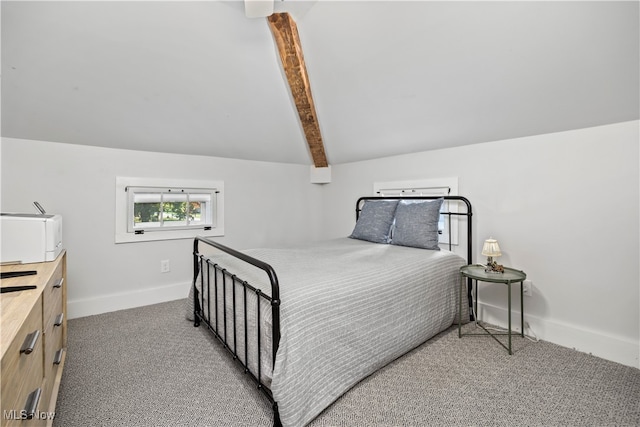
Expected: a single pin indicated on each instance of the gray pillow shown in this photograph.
(375, 220)
(417, 224)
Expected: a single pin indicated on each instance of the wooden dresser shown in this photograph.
(33, 330)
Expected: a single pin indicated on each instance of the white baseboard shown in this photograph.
(125, 300)
(616, 349)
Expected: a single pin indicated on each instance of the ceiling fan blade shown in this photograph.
(258, 8)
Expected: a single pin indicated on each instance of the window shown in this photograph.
(159, 209)
(154, 209)
(430, 187)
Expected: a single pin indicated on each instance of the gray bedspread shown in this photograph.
(348, 308)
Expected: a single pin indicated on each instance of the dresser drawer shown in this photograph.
(22, 369)
(52, 296)
(18, 418)
(53, 351)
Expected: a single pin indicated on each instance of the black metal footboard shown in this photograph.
(223, 288)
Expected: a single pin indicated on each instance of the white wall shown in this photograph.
(265, 203)
(550, 200)
(564, 208)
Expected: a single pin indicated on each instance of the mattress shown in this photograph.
(349, 307)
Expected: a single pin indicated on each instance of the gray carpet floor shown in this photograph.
(148, 366)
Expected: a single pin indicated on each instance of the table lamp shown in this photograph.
(491, 249)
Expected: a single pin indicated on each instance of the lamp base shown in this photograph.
(494, 267)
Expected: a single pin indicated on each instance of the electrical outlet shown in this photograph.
(164, 266)
(527, 287)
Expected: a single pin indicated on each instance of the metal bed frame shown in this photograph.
(230, 283)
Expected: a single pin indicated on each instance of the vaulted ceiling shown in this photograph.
(388, 77)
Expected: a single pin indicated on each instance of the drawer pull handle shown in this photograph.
(59, 319)
(30, 342)
(57, 359)
(31, 406)
(59, 284)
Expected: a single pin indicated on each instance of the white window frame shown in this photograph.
(162, 195)
(127, 232)
(427, 187)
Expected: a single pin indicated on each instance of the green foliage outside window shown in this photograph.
(146, 212)
(171, 211)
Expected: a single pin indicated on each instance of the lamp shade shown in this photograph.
(491, 248)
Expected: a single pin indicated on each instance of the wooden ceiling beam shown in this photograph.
(285, 33)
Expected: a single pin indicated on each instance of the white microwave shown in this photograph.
(28, 238)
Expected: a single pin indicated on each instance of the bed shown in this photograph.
(308, 323)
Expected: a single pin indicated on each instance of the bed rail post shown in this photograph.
(275, 318)
(276, 415)
(196, 270)
(469, 256)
